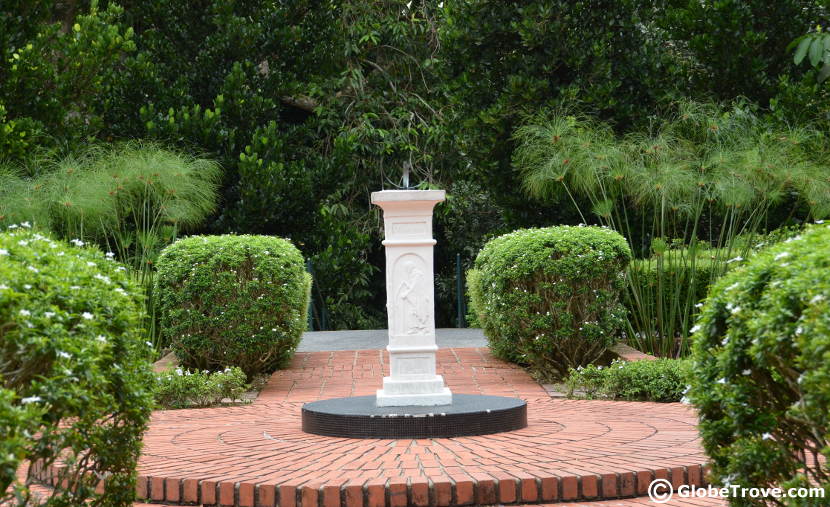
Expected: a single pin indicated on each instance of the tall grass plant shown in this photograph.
(706, 179)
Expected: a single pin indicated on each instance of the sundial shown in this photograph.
(414, 401)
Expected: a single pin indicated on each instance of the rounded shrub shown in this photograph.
(232, 301)
(761, 370)
(75, 379)
(550, 298)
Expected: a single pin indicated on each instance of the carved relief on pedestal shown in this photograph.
(412, 296)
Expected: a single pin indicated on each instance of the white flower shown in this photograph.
(22, 242)
(25, 224)
(87, 315)
(3, 286)
(101, 338)
(817, 299)
(766, 436)
(782, 255)
(74, 287)
(685, 400)
(736, 259)
(695, 329)
(48, 315)
(121, 291)
(25, 313)
(149, 344)
(33, 269)
(179, 371)
(110, 255)
(31, 399)
(819, 221)
(13, 226)
(27, 286)
(90, 264)
(77, 242)
(722, 381)
(103, 278)
(3, 251)
(747, 372)
(64, 355)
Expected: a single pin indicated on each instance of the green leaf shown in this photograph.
(824, 73)
(801, 51)
(816, 51)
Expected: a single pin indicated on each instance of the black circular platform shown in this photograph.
(468, 415)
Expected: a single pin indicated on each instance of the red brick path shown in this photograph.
(572, 450)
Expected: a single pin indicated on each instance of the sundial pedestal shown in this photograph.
(407, 217)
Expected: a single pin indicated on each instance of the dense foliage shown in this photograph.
(232, 301)
(74, 370)
(663, 380)
(761, 376)
(308, 105)
(705, 178)
(181, 388)
(550, 298)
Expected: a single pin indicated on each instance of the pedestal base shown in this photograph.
(360, 417)
(385, 399)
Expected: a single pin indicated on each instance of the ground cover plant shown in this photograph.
(238, 301)
(550, 298)
(182, 388)
(760, 374)
(75, 381)
(662, 380)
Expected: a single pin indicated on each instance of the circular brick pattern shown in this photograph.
(258, 455)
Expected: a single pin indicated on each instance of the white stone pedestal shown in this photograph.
(407, 217)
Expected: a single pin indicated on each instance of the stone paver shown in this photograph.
(572, 450)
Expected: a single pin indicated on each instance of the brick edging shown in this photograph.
(507, 488)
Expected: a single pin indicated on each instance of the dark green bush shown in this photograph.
(662, 380)
(549, 298)
(74, 369)
(182, 388)
(232, 301)
(761, 375)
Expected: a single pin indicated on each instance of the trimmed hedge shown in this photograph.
(549, 298)
(662, 380)
(232, 301)
(75, 370)
(761, 379)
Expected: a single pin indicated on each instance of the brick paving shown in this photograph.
(572, 450)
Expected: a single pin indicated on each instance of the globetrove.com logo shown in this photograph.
(661, 491)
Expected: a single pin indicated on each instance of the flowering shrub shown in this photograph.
(185, 389)
(76, 384)
(232, 301)
(658, 380)
(761, 376)
(549, 297)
